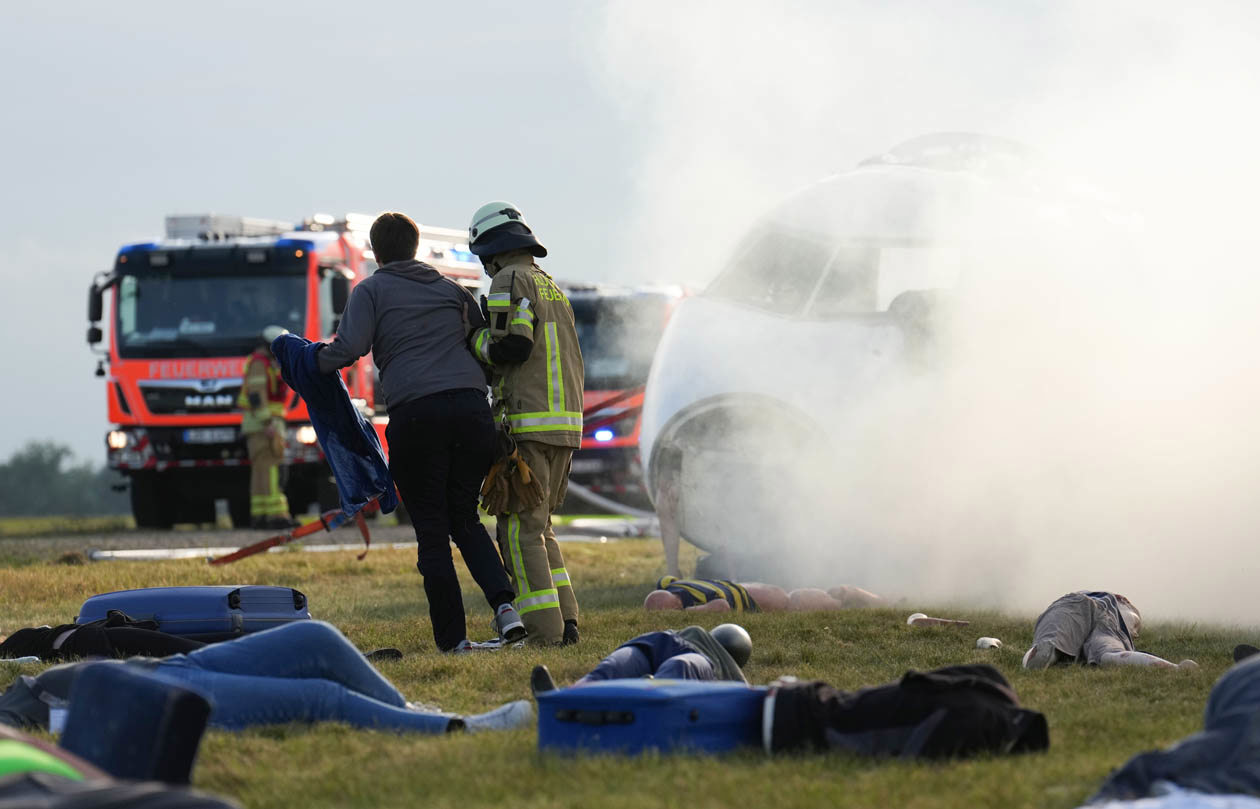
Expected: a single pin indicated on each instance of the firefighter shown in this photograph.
(262, 399)
(531, 349)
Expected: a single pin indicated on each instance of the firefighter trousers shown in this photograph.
(527, 541)
(265, 497)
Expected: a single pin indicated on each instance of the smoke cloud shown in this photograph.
(1091, 423)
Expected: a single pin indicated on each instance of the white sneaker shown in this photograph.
(516, 714)
(507, 622)
(467, 646)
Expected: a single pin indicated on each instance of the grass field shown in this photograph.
(1098, 718)
(41, 526)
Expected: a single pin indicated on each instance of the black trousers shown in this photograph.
(440, 448)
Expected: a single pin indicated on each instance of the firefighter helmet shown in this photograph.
(735, 640)
(498, 227)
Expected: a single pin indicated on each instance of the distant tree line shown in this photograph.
(40, 479)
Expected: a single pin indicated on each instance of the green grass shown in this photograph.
(1098, 718)
(43, 526)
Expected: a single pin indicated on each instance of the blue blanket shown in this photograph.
(348, 440)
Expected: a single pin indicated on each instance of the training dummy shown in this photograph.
(304, 671)
(1091, 627)
(688, 654)
(721, 595)
(951, 711)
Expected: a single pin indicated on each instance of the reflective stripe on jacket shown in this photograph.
(541, 396)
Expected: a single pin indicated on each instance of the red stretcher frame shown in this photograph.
(328, 521)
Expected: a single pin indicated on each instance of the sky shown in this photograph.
(119, 114)
(639, 138)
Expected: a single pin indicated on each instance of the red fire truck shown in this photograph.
(618, 329)
(185, 312)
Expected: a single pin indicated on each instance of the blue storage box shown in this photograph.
(630, 716)
(203, 613)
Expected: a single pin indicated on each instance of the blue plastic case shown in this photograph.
(630, 716)
(203, 613)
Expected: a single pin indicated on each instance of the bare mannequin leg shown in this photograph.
(1142, 659)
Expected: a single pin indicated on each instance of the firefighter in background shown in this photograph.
(531, 349)
(263, 394)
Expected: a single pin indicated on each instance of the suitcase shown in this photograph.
(631, 716)
(203, 613)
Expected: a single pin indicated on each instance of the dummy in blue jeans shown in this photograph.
(305, 671)
(661, 654)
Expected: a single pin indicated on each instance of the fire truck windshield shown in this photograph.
(618, 336)
(165, 315)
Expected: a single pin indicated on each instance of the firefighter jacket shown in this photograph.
(540, 397)
(262, 393)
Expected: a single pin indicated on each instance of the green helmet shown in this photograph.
(498, 227)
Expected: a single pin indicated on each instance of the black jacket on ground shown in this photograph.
(947, 712)
(115, 635)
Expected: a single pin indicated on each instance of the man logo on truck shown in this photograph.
(221, 400)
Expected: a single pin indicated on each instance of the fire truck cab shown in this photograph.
(185, 311)
(618, 329)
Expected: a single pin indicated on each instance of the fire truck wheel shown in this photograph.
(150, 506)
(326, 493)
(238, 507)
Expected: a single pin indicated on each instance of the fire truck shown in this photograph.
(184, 313)
(618, 329)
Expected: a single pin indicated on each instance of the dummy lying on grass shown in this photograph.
(305, 671)
(951, 711)
(720, 595)
(1091, 627)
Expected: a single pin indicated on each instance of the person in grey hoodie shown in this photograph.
(441, 436)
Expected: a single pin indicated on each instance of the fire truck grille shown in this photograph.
(170, 443)
(181, 400)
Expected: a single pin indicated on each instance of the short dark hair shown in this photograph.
(395, 237)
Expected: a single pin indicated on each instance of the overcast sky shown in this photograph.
(638, 137)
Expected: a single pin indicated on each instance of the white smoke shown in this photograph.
(1096, 426)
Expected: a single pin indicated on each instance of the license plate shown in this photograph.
(586, 466)
(210, 435)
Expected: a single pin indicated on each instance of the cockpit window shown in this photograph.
(916, 269)
(775, 271)
(850, 286)
(867, 279)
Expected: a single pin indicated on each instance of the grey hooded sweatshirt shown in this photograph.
(414, 320)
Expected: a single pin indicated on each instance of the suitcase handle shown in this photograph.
(595, 717)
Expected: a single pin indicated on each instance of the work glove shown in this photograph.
(510, 486)
(494, 491)
(527, 492)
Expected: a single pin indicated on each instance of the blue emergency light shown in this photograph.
(603, 434)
